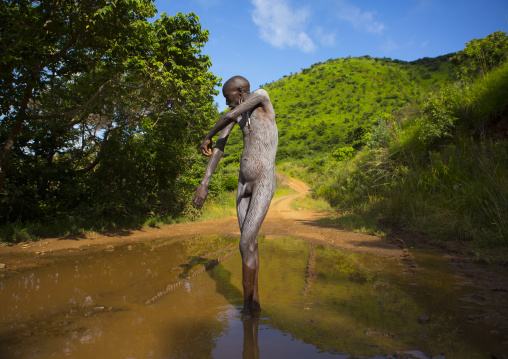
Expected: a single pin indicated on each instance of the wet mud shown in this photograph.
(181, 298)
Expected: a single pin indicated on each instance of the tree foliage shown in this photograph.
(482, 55)
(98, 106)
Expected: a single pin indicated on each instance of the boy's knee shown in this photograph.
(248, 247)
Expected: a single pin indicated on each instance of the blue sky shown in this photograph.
(264, 40)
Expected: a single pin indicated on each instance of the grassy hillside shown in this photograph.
(334, 104)
(438, 165)
(331, 106)
(442, 169)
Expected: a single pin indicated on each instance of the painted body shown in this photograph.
(254, 113)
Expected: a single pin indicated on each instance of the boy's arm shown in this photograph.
(202, 192)
(256, 98)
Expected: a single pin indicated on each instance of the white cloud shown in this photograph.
(363, 21)
(281, 26)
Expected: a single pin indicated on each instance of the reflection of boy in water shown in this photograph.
(256, 183)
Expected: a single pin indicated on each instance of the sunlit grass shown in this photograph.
(220, 207)
(355, 223)
(307, 202)
(452, 186)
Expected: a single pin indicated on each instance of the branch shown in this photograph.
(73, 111)
(53, 57)
(128, 86)
(83, 106)
(97, 159)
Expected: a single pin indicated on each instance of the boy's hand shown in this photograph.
(200, 196)
(206, 147)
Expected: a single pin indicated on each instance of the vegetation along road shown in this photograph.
(282, 220)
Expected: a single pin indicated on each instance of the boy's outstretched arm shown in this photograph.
(256, 98)
(215, 155)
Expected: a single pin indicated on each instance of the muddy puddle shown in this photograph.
(182, 299)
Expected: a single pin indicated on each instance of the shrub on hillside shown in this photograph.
(344, 153)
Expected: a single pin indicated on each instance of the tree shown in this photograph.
(482, 55)
(83, 83)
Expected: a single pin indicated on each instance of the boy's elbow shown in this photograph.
(263, 95)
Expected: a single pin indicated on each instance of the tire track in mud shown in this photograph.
(311, 270)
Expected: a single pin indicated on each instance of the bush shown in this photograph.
(438, 120)
(344, 153)
(230, 183)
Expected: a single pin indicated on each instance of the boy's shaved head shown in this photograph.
(236, 82)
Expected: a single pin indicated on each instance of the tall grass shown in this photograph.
(444, 170)
(221, 206)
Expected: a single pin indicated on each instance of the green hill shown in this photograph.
(438, 166)
(333, 104)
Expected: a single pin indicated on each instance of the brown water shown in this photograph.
(154, 300)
